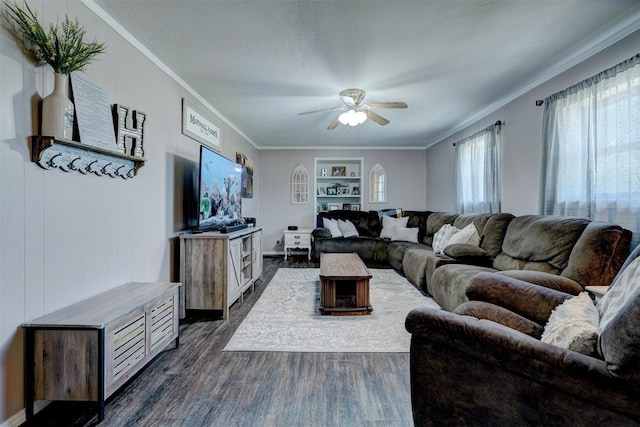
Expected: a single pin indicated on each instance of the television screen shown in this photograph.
(220, 191)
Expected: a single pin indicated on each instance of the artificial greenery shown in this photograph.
(62, 46)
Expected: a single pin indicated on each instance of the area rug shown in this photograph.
(286, 317)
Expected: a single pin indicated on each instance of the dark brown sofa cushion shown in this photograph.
(541, 243)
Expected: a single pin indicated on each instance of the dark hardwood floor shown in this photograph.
(200, 385)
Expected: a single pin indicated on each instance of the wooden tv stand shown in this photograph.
(217, 268)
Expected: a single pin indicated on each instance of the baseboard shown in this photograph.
(21, 417)
(273, 253)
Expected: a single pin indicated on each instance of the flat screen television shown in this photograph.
(220, 191)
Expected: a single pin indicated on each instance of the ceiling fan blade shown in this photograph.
(321, 110)
(386, 105)
(377, 118)
(334, 124)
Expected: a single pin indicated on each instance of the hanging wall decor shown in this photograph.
(197, 126)
(247, 175)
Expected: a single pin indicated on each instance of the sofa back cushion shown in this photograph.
(492, 236)
(435, 221)
(598, 254)
(418, 219)
(367, 223)
(540, 243)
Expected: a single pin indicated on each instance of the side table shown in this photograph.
(297, 239)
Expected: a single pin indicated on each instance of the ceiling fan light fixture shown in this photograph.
(352, 117)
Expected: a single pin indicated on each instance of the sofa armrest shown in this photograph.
(526, 299)
(548, 280)
(322, 233)
(495, 313)
(482, 365)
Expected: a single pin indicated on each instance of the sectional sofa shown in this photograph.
(562, 253)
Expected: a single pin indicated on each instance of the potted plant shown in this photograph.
(64, 48)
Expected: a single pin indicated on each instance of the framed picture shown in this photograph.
(322, 190)
(322, 207)
(338, 171)
(355, 206)
(331, 191)
(334, 206)
(346, 206)
(355, 190)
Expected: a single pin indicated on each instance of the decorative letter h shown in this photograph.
(122, 131)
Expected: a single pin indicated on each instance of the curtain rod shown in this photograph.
(498, 124)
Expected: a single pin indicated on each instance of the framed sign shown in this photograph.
(195, 125)
(95, 121)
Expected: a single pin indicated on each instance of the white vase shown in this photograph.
(57, 110)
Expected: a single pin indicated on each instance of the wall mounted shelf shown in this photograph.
(55, 153)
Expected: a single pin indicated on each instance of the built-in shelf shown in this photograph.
(56, 153)
(338, 183)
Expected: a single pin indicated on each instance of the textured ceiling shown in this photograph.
(258, 63)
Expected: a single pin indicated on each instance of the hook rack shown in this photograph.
(52, 153)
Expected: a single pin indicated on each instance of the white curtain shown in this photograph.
(478, 172)
(591, 140)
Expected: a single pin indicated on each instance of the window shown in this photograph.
(300, 185)
(377, 184)
(478, 172)
(591, 140)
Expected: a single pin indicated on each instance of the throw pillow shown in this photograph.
(348, 228)
(405, 234)
(573, 325)
(332, 226)
(467, 236)
(441, 238)
(619, 313)
(389, 223)
(621, 291)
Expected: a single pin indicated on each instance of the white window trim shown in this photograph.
(299, 185)
(372, 185)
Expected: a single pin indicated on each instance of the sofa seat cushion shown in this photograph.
(414, 266)
(538, 242)
(396, 251)
(448, 283)
(363, 246)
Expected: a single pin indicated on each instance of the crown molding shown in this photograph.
(598, 42)
(115, 25)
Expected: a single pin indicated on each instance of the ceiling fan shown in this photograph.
(354, 112)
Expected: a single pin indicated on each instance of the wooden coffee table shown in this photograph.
(344, 285)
